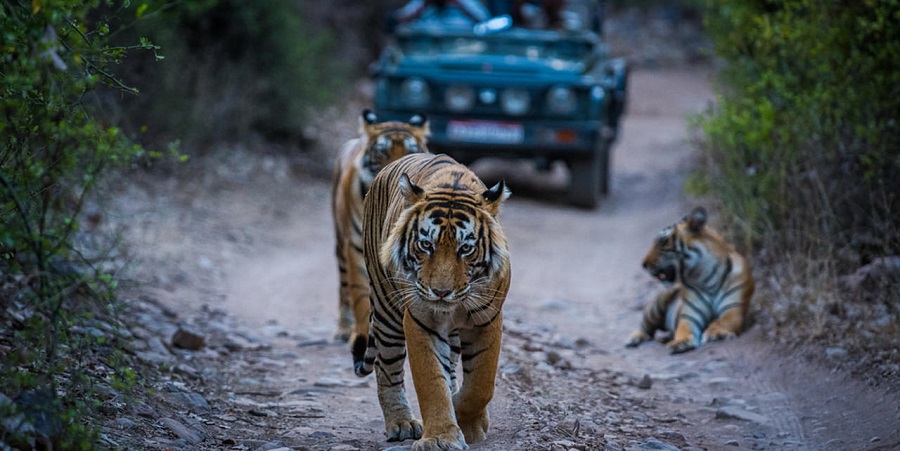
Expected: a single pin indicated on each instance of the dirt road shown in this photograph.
(244, 253)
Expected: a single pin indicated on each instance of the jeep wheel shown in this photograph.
(604, 171)
(586, 181)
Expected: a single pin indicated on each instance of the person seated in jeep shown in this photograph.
(444, 12)
(538, 13)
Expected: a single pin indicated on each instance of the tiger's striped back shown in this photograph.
(711, 286)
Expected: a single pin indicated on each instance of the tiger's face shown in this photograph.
(451, 246)
(664, 259)
(677, 248)
(388, 141)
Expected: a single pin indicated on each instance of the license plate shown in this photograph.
(486, 132)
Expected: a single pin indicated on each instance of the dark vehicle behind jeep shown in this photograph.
(511, 92)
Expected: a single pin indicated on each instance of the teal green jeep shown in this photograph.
(496, 90)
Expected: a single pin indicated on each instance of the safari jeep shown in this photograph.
(498, 90)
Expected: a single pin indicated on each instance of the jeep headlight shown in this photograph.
(515, 102)
(414, 92)
(561, 100)
(459, 98)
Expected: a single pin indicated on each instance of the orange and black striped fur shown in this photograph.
(357, 163)
(439, 267)
(711, 286)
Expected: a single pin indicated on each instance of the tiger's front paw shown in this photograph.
(401, 430)
(637, 338)
(452, 439)
(679, 346)
(475, 428)
(714, 333)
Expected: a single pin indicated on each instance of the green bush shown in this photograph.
(53, 152)
(803, 146)
(234, 70)
(804, 142)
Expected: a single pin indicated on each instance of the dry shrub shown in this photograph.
(801, 151)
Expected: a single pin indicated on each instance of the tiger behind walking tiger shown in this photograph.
(711, 286)
(359, 160)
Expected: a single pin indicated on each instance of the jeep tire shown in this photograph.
(590, 178)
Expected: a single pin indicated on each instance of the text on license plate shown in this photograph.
(486, 132)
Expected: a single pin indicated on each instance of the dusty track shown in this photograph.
(246, 249)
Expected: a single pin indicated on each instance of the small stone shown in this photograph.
(657, 444)
(556, 359)
(511, 369)
(672, 436)
(645, 383)
(237, 343)
(311, 342)
(192, 401)
(153, 358)
(143, 410)
(182, 431)
(734, 413)
(553, 357)
(322, 435)
(733, 443)
(187, 337)
(272, 446)
(187, 370)
(156, 345)
(722, 381)
(836, 352)
(274, 330)
(125, 423)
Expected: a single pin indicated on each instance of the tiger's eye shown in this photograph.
(425, 245)
(466, 249)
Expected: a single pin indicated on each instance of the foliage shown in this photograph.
(53, 152)
(803, 147)
(805, 137)
(233, 69)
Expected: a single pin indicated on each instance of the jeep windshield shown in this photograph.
(572, 53)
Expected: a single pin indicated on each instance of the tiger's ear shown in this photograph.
(496, 195)
(409, 190)
(369, 117)
(421, 121)
(696, 220)
(418, 120)
(367, 123)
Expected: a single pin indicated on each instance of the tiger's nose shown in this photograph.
(441, 293)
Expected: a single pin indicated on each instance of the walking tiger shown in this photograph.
(439, 271)
(358, 162)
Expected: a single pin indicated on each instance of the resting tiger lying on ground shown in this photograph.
(439, 269)
(357, 163)
(711, 291)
